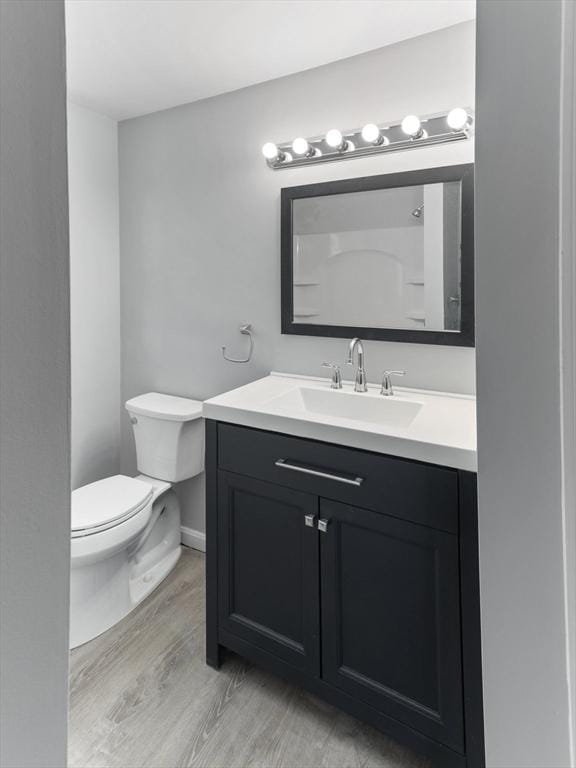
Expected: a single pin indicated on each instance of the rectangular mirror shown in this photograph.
(382, 257)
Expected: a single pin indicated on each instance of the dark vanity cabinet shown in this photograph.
(353, 574)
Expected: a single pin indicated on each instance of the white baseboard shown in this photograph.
(192, 538)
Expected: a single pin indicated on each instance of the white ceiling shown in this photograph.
(132, 57)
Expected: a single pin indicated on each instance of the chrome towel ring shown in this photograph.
(245, 330)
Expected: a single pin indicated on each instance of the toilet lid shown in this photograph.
(107, 502)
(167, 407)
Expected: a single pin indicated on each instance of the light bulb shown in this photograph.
(270, 151)
(412, 126)
(334, 138)
(300, 146)
(371, 133)
(457, 119)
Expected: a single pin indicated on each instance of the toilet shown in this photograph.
(125, 536)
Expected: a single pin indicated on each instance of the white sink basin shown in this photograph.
(435, 427)
(370, 408)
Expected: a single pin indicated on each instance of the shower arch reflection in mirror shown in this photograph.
(350, 275)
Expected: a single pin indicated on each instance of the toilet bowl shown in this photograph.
(125, 531)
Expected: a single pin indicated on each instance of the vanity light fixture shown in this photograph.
(373, 135)
(410, 133)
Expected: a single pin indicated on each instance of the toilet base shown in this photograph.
(104, 592)
(142, 586)
(159, 554)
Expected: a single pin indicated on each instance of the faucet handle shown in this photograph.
(387, 389)
(336, 375)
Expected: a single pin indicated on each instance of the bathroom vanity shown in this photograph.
(342, 552)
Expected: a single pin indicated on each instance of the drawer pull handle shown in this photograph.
(283, 464)
(309, 520)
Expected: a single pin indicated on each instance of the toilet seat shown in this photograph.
(107, 503)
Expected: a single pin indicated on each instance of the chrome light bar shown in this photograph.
(372, 139)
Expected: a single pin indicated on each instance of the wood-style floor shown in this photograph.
(141, 696)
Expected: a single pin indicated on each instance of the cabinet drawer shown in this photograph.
(406, 489)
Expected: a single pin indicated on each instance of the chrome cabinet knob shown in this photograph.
(309, 520)
(323, 525)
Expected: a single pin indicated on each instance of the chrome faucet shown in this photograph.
(336, 382)
(360, 381)
(387, 389)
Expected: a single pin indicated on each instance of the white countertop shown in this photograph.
(442, 431)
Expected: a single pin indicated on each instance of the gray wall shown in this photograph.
(34, 387)
(568, 335)
(94, 294)
(519, 406)
(199, 222)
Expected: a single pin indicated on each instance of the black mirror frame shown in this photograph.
(463, 173)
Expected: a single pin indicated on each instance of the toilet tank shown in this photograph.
(169, 435)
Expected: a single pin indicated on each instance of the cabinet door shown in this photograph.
(269, 568)
(391, 618)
